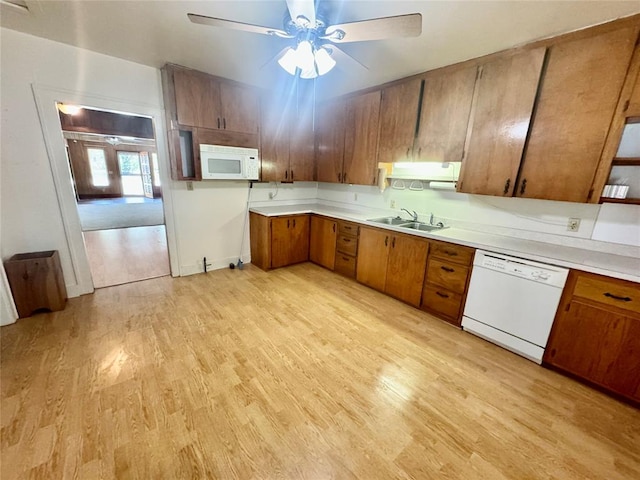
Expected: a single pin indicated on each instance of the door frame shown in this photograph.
(46, 98)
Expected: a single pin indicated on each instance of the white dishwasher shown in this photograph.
(512, 302)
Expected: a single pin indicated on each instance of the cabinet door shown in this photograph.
(361, 139)
(633, 110)
(197, 99)
(330, 142)
(322, 242)
(599, 345)
(373, 252)
(302, 144)
(406, 268)
(240, 108)
(446, 104)
(503, 101)
(579, 93)
(299, 237)
(398, 120)
(280, 241)
(274, 142)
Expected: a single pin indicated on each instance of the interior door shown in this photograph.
(95, 169)
(147, 179)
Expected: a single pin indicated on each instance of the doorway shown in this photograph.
(114, 167)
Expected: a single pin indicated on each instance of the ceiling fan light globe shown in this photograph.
(289, 61)
(305, 57)
(308, 74)
(324, 62)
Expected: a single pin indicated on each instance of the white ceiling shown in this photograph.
(156, 32)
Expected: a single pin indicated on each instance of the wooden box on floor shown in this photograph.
(36, 282)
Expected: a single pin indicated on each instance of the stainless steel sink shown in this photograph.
(390, 220)
(423, 227)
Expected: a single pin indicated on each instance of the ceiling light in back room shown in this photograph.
(68, 109)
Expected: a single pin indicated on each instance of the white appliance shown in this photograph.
(220, 162)
(512, 302)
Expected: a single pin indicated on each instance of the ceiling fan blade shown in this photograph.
(245, 27)
(341, 57)
(375, 29)
(275, 58)
(302, 8)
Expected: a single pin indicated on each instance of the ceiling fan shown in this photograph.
(313, 51)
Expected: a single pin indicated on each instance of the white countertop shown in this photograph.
(617, 266)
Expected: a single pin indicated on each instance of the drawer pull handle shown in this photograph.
(346, 228)
(447, 269)
(346, 259)
(346, 240)
(334, 228)
(443, 295)
(450, 253)
(615, 297)
(386, 241)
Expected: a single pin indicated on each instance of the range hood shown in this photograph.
(426, 171)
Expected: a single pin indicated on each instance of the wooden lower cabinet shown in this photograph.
(447, 280)
(347, 248)
(278, 241)
(405, 268)
(322, 241)
(392, 263)
(596, 333)
(373, 253)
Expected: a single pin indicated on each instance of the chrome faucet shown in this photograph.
(431, 219)
(413, 214)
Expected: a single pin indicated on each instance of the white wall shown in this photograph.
(207, 221)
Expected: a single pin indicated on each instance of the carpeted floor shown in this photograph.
(105, 214)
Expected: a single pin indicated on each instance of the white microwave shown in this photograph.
(220, 162)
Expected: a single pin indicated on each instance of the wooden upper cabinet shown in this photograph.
(444, 117)
(302, 145)
(633, 109)
(196, 99)
(205, 101)
(398, 120)
(361, 139)
(239, 107)
(274, 141)
(501, 112)
(579, 93)
(286, 139)
(330, 141)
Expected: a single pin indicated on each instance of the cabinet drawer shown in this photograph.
(347, 229)
(622, 295)
(443, 301)
(455, 253)
(345, 265)
(347, 244)
(447, 274)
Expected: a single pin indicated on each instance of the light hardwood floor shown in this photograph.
(295, 373)
(124, 255)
